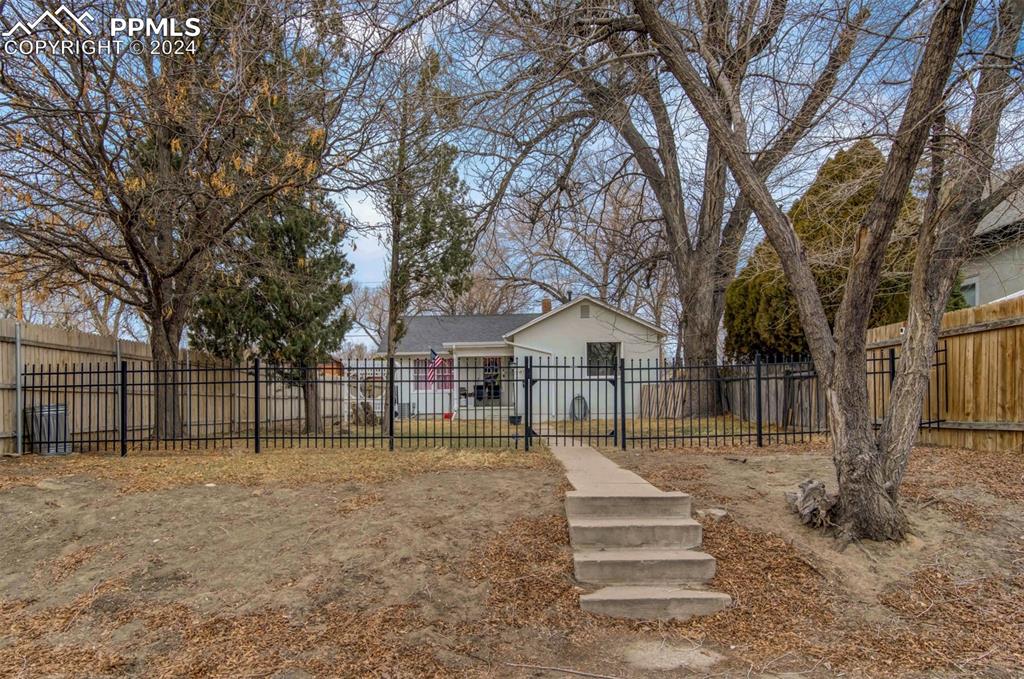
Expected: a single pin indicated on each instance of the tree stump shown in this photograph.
(362, 414)
(812, 504)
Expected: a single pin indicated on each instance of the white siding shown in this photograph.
(564, 335)
(998, 274)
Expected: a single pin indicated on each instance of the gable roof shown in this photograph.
(423, 333)
(1010, 212)
(591, 300)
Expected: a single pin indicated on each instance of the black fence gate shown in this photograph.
(475, 402)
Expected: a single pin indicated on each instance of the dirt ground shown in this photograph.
(442, 563)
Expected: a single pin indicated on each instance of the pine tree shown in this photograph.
(760, 310)
(429, 235)
(284, 303)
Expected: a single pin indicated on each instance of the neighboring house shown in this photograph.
(996, 270)
(460, 364)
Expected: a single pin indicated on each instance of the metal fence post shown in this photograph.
(19, 396)
(757, 399)
(391, 402)
(622, 400)
(124, 408)
(256, 393)
(527, 388)
(892, 365)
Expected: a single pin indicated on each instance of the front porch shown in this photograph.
(486, 384)
(473, 382)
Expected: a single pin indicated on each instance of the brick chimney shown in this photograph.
(545, 305)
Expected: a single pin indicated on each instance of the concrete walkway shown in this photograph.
(639, 543)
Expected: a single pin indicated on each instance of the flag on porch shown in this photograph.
(435, 362)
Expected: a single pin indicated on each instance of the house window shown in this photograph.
(601, 358)
(440, 380)
(970, 289)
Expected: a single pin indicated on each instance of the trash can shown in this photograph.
(47, 429)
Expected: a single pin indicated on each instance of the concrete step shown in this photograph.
(650, 504)
(648, 602)
(642, 566)
(634, 532)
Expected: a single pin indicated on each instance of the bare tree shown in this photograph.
(966, 110)
(130, 171)
(484, 294)
(602, 238)
(572, 76)
(369, 310)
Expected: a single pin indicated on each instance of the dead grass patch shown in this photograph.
(529, 567)
(63, 566)
(185, 644)
(780, 600)
(818, 445)
(143, 472)
(941, 622)
(999, 473)
(786, 614)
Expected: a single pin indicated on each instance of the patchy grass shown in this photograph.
(368, 563)
(265, 643)
(723, 430)
(147, 471)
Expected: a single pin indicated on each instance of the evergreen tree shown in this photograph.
(760, 309)
(429, 235)
(284, 302)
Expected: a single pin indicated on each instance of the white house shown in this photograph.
(471, 365)
(996, 267)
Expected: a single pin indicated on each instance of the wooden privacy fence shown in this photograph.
(778, 393)
(25, 343)
(983, 407)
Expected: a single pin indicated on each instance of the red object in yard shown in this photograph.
(447, 416)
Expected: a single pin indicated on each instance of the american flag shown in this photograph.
(435, 362)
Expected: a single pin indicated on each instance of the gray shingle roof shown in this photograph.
(424, 333)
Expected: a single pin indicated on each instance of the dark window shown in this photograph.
(601, 358)
(970, 289)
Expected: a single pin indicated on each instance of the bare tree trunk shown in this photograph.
(866, 506)
(164, 340)
(311, 397)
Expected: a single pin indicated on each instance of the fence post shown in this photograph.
(622, 400)
(256, 393)
(19, 395)
(527, 388)
(391, 402)
(892, 365)
(124, 408)
(757, 399)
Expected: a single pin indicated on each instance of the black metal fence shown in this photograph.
(474, 402)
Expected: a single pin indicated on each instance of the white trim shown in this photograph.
(528, 348)
(588, 298)
(1012, 295)
(496, 344)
